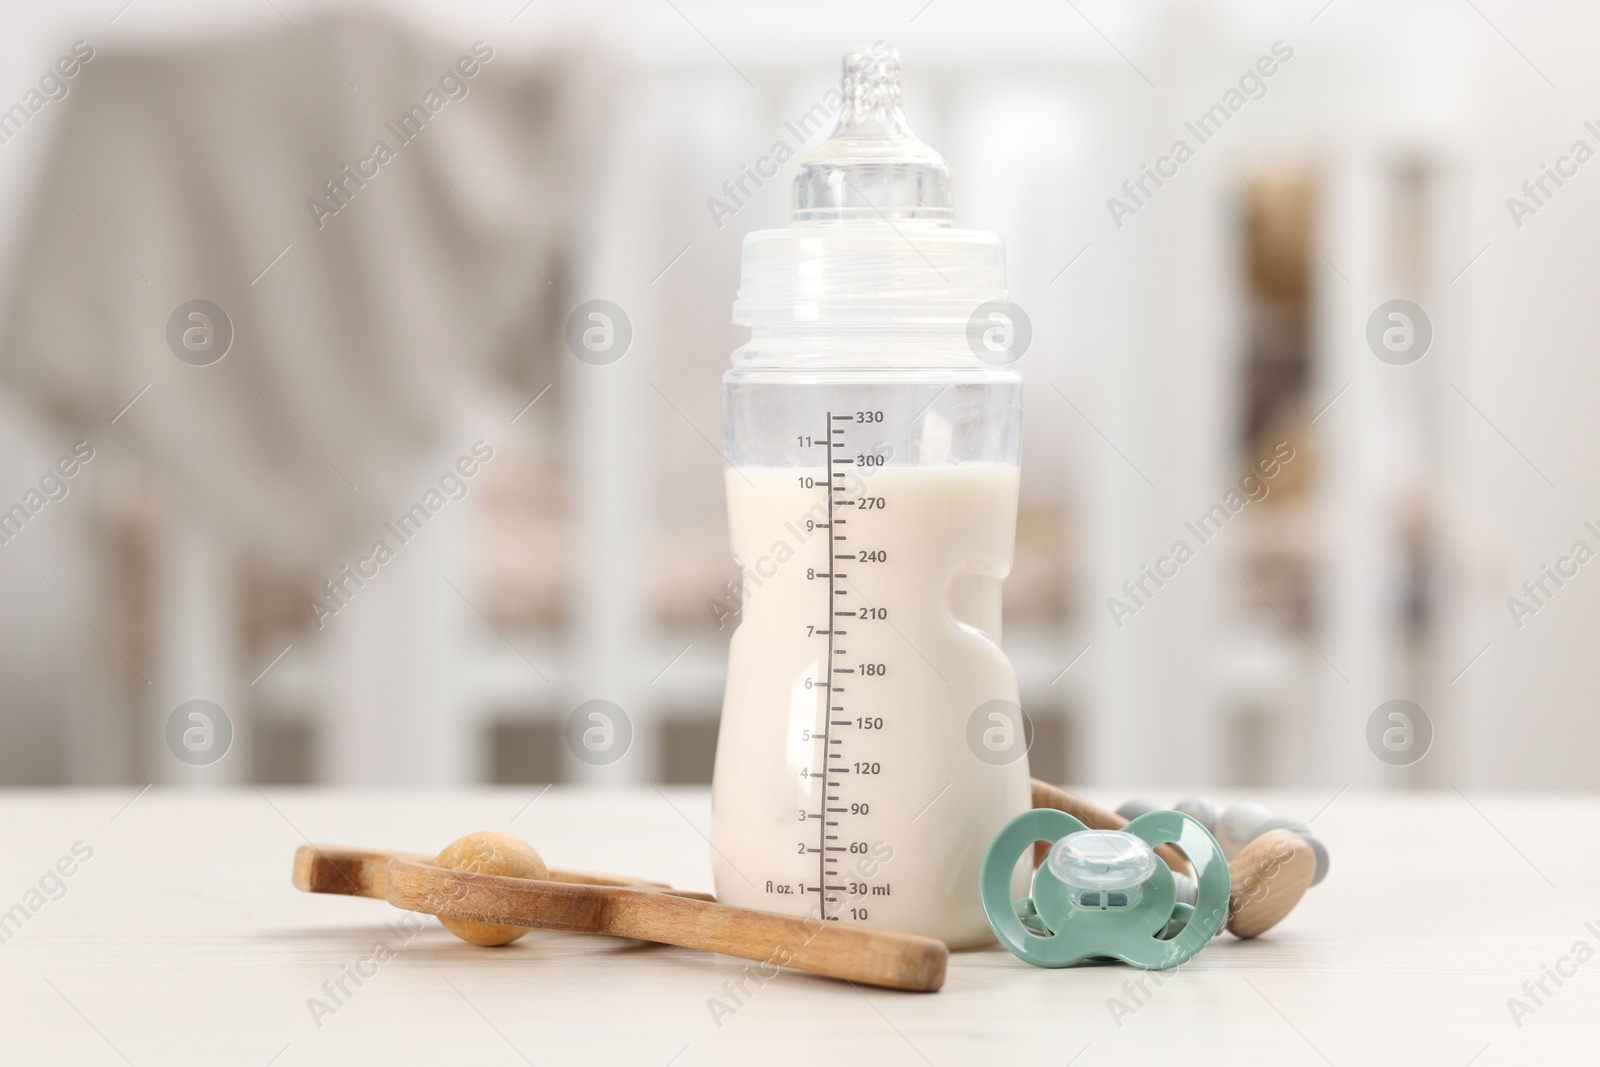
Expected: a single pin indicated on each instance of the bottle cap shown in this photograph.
(872, 242)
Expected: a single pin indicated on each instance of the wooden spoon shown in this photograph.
(871, 957)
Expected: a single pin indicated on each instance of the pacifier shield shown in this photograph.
(1135, 926)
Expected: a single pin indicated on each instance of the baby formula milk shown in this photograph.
(909, 588)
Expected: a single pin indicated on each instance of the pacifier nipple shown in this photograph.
(1103, 868)
(873, 169)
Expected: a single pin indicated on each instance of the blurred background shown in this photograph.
(386, 318)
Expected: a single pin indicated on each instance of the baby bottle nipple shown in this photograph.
(873, 169)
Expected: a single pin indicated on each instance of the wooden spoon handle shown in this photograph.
(1095, 817)
(361, 872)
(872, 957)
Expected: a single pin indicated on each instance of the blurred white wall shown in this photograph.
(1134, 393)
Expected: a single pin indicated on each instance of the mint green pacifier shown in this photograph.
(1105, 893)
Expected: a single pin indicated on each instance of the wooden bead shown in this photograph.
(1266, 880)
(489, 852)
(1304, 830)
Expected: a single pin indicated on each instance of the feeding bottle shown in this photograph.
(871, 743)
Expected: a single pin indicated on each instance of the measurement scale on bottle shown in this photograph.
(842, 859)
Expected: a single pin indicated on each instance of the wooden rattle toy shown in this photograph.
(1271, 861)
(483, 887)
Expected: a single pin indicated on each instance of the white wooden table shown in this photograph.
(179, 941)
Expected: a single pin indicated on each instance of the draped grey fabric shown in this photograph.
(434, 264)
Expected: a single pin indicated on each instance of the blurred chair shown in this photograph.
(371, 344)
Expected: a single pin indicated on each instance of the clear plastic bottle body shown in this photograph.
(871, 741)
(873, 514)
